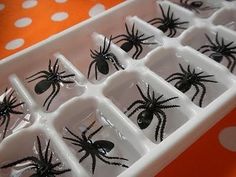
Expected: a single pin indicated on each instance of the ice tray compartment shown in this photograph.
(204, 40)
(175, 116)
(96, 126)
(27, 139)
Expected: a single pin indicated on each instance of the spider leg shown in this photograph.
(9, 97)
(155, 20)
(96, 71)
(169, 99)
(59, 172)
(43, 76)
(109, 157)
(182, 69)
(73, 134)
(46, 152)
(115, 62)
(148, 93)
(180, 75)
(111, 163)
(209, 40)
(196, 93)
(158, 125)
(95, 132)
(229, 44)
(146, 38)
(203, 93)
(93, 162)
(170, 33)
(90, 66)
(104, 45)
(87, 129)
(7, 119)
(51, 94)
(174, 78)
(133, 104)
(40, 152)
(137, 52)
(16, 112)
(163, 124)
(207, 50)
(68, 75)
(234, 63)
(174, 32)
(136, 109)
(54, 95)
(55, 66)
(121, 35)
(31, 158)
(123, 39)
(141, 93)
(40, 72)
(84, 157)
(206, 80)
(203, 47)
(162, 12)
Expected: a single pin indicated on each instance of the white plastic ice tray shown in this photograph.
(106, 99)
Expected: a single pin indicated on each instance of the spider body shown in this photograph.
(42, 165)
(101, 59)
(220, 49)
(50, 79)
(195, 6)
(151, 106)
(133, 39)
(95, 149)
(168, 22)
(7, 108)
(186, 79)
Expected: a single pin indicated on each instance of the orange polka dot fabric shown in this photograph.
(26, 22)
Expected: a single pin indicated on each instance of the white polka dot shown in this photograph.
(59, 16)
(23, 22)
(14, 44)
(29, 4)
(2, 6)
(227, 138)
(97, 9)
(60, 1)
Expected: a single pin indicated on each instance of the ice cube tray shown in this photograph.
(105, 100)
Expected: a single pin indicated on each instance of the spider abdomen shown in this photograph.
(196, 4)
(218, 57)
(127, 46)
(183, 86)
(42, 86)
(103, 66)
(144, 119)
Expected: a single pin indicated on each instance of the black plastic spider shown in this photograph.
(42, 165)
(195, 6)
(219, 50)
(168, 22)
(101, 59)
(133, 39)
(98, 148)
(150, 106)
(188, 79)
(51, 78)
(7, 107)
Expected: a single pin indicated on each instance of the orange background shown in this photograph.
(205, 158)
